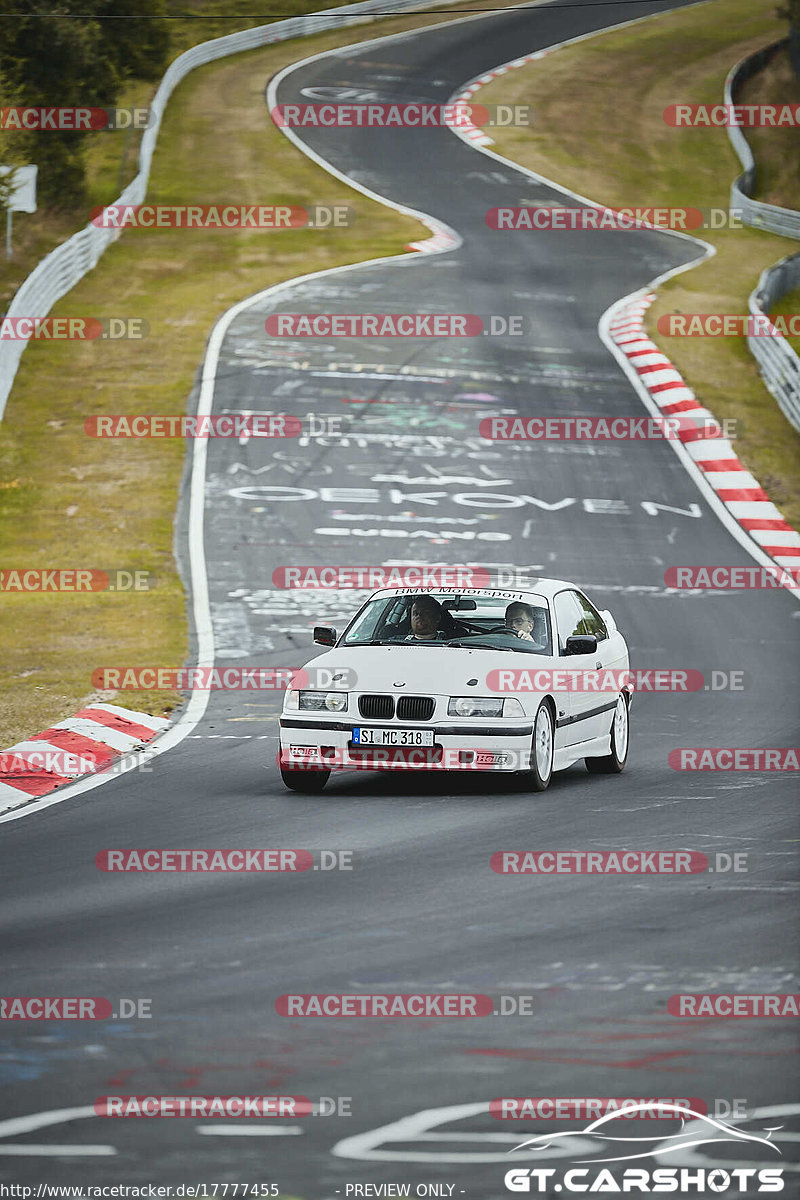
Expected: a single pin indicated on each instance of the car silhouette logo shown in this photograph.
(703, 1131)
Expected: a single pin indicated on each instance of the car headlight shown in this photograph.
(475, 706)
(318, 701)
(484, 706)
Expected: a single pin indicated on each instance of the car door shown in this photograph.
(589, 711)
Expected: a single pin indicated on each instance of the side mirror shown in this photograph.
(325, 635)
(585, 643)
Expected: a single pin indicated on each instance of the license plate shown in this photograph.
(392, 737)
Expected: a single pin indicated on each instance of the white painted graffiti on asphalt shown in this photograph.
(483, 500)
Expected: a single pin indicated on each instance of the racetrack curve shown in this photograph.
(421, 910)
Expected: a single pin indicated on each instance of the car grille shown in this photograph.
(415, 708)
(376, 707)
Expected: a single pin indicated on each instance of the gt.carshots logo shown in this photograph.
(360, 325)
(624, 1144)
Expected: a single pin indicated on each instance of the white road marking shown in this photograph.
(248, 1130)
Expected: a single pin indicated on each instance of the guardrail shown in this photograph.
(777, 361)
(63, 267)
(773, 218)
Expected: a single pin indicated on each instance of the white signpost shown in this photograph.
(23, 197)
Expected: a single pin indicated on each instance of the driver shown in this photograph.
(426, 616)
(519, 620)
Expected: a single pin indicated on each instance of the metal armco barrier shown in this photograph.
(777, 361)
(785, 221)
(63, 267)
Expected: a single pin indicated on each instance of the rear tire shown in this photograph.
(307, 782)
(613, 763)
(541, 771)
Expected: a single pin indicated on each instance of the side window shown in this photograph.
(592, 621)
(569, 617)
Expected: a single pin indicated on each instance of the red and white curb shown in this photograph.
(472, 133)
(84, 744)
(442, 240)
(741, 493)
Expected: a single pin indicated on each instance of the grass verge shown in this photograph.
(68, 500)
(776, 151)
(599, 130)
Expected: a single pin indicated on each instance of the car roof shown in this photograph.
(538, 587)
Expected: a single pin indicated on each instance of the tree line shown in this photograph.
(66, 53)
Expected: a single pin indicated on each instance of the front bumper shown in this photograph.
(316, 744)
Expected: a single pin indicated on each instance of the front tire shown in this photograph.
(613, 763)
(307, 782)
(541, 771)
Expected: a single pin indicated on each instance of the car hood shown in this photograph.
(430, 669)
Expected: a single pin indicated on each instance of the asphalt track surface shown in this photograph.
(421, 910)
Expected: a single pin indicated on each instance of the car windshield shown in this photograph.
(516, 622)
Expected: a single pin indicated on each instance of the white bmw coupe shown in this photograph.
(462, 679)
